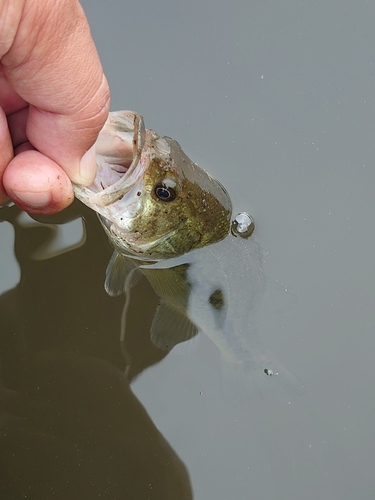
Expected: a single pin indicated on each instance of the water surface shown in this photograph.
(277, 101)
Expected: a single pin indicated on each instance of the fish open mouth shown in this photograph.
(119, 160)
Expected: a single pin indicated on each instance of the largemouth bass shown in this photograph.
(152, 200)
(170, 220)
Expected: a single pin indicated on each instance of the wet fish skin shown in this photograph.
(124, 193)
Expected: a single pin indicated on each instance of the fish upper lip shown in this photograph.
(120, 134)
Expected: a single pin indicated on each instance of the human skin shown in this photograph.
(54, 99)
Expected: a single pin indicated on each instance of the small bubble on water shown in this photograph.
(243, 225)
(270, 372)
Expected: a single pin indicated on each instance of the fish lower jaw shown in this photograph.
(133, 245)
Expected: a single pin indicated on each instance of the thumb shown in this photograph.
(54, 66)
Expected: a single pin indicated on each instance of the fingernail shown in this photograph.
(33, 200)
(87, 166)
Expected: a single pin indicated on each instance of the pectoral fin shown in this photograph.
(169, 284)
(121, 275)
(171, 326)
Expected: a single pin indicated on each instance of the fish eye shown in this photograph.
(164, 192)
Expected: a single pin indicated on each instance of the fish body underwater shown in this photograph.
(170, 220)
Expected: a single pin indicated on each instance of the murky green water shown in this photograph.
(70, 425)
(276, 100)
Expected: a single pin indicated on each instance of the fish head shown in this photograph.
(152, 200)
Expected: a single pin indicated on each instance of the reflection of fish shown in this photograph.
(169, 219)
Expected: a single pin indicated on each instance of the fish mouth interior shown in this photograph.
(109, 173)
(119, 159)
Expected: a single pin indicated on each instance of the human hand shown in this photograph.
(54, 99)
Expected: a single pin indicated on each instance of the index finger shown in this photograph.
(53, 65)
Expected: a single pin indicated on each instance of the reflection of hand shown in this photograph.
(54, 99)
(73, 412)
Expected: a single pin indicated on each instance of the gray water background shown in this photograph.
(276, 99)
